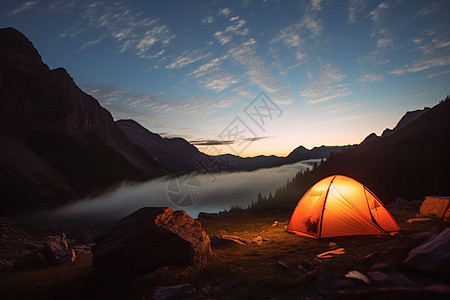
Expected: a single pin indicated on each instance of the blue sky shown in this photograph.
(331, 72)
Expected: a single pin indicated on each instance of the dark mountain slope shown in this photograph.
(411, 162)
(57, 142)
(175, 154)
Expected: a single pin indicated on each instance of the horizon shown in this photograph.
(329, 74)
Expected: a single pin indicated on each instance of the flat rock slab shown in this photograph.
(433, 256)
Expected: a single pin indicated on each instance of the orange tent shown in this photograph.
(340, 206)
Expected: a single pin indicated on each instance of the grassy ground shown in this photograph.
(254, 266)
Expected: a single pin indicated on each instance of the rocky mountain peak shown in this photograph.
(17, 51)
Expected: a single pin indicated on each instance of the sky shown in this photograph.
(248, 77)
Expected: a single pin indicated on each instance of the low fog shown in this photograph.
(209, 192)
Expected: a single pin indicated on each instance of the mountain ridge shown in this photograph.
(58, 143)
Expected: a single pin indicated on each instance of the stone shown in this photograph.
(358, 275)
(282, 266)
(57, 250)
(433, 256)
(181, 291)
(434, 206)
(391, 278)
(148, 239)
(257, 240)
(226, 241)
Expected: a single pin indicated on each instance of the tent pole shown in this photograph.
(323, 208)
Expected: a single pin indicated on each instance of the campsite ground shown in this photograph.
(250, 271)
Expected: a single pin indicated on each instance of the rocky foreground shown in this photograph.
(156, 253)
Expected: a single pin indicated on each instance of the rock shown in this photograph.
(307, 265)
(148, 239)
(435, 206)
(382, 267)
(33, 260)
(226, 241)
(393, 278)
(282, 266)
(57, 250)
(358, 275)
(433, 256)
(257, 240)
(275, 223)
(181, 291)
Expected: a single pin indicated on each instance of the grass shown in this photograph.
(255, 266)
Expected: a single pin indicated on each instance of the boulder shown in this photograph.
(226, 241)
(148, 239)
(435, 206)
(57, 250)
(433, 256)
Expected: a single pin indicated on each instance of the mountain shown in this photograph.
(411, 162)
(405, 120)
(301, 153)
(233, 162)
(57, 142)
(175, 154)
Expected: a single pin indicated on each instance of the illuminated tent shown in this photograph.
(340, 206)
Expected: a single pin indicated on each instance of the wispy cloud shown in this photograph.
(208, 20)
(369, 77)
(23, 7)
(129, 29)
(219, 82)
(435, 52)
(430, 9)
(212, 142)
(226, 35)
(256, 69)
(326, 85)
(224, 12)
(381, 29)
(355, 7)
(185, 59)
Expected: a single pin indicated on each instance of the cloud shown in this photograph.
(368, 77)
(326, 85)
(207, 142)
(256, 69)
(381, 29)
(23, 7)
(355, 7)
(430, 9)
(224, 12)
(185, 59)
(226, 35)
(435, 52)
(129, 29)
(202, 70)
(208, 20)
(343, 107)
(219, 82)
